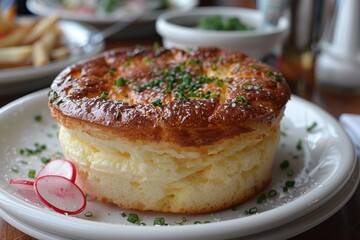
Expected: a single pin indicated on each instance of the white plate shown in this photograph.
(123, 12)
(282, 232)
(321, 169)
(21, 79)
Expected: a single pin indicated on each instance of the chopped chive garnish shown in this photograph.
(57, 155)
(290, 173)
(159, 221)
(15, 168)
(247, 86)
(141, 223)
(133, 218)
(52, 96)
(219, 83)
(28, 151)
(32, 173)
(278, 77)
(183, 219)
(156, 45)
(242, 99)
(268, 73)
(128, 62)
(88, 214)
(59, 102)
(104, 95)
(285, 164)
(213, 66)
(120, 82)
(229, 80)
(123, 214)
(117, 115)
(214, 95)
(255, 66)
(261, 198)
(45, 160)
(290, 183)
(252, 210)
(195, 61)
(146, 59)
(272, 193)
(138, 88)
(299, 145)
(197, 222)
(111, 71)
(38, 118)
(311, 127)
(285, 189)
(157, 103)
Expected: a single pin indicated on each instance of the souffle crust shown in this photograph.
(190, 98)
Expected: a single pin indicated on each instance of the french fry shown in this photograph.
(14, 37)
(59, 53)
(25, 44)
(10, 13)
(6, 25)
(7, 20)
(15, 55)
(44, 25)
(49, 40)
(39, 54)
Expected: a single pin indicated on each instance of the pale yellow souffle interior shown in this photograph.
(165, 177)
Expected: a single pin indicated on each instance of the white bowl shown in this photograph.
(175, 29)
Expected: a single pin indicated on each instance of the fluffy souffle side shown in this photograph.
(170, 130)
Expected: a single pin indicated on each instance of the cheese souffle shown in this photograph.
(170, 130)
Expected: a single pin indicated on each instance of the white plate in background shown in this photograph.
(325, 172)
(122, 12)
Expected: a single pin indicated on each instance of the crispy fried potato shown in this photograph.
(7, 20)
(6, 25)
(15, 55)
(49, 40)
(15, 37)
(25, 44)
(59, 53)
(10, 13)
(39, 55)
(44, 25)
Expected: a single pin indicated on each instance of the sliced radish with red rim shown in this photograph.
(60, 194)
(59, 167)
(21, 182)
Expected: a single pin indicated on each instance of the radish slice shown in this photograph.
(59, 167)
(21, 181)
(60, 194)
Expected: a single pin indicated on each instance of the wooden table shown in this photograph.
(345, 224)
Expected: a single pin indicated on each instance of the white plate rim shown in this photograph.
(229, 228)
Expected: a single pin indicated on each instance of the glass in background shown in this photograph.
(307, 20)
(337, 66)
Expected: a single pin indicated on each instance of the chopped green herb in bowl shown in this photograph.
(223, 24)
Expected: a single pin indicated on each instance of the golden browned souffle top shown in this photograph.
(158, 93)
